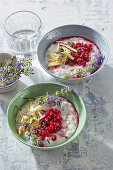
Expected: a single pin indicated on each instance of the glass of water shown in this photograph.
(23, 32)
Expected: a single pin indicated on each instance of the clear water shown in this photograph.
(25, 41)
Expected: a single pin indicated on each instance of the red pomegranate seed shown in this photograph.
(75, 55)
(48, 129)
(87, 59)
(42, 137)
(78, 52)
(72, 64)
(90, 46)
(84, 63)
(55, 119)
(47, 134)
(41, 145)
(78, 76)
(44, 127)
(82, 54)
(85, 45)
(48, 111)
(51, 127)
(59, 118)
(54, 124)
(79, 60)
(54, 138)
(56, 111)
(51, 114)
(46, 114)
(49, 117)
(82, 44)
(51, 122)
(40, 133)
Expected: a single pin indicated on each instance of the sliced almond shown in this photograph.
(63, 42)
(58, 50)
(54, 64)
(34, 109)
(51, 55)
(69, 56)
(68, 47)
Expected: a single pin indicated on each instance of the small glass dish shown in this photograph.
(3, 58)
(23, 31)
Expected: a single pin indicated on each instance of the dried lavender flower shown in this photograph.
(11, 70)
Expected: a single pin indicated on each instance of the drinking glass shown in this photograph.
(23, 32)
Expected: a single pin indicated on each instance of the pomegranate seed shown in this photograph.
(71, 64)
(48, 111)
(78, 53)
(40, 133)
(47, 134)
(79, 60)
(84, 63)
(51, 122)
(83, 48)
(54, 115)
(42, 137)
(41, 145)
(51, 127)
(78, 76)
(44, 127)
(85, 55)
(48, 129)
(87, 59)
(46, 115)
(77, 44)
(54, 123)
(55, 119)
(90, 46)
(85, 45)
(59, 118)
(49, 117)
(51, 110)
(56, 111)
(82, 44)
(51, 114)
(37, 131)
(82, 54)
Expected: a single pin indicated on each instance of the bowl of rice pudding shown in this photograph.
(46, 125)
(72, 52)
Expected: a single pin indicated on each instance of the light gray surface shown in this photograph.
(93, 149)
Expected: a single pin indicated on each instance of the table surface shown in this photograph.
(93, 148)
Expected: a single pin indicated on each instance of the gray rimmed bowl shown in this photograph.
(69, 31)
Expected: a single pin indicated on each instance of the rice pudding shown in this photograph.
(72, 56)
(47, 124)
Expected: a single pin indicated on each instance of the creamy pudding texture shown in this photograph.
(82, 55)
(56, 124)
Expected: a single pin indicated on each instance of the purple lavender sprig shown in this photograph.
(53, 98)
(11, 70)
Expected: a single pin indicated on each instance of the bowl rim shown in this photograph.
(73, 25)
(50, 147)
